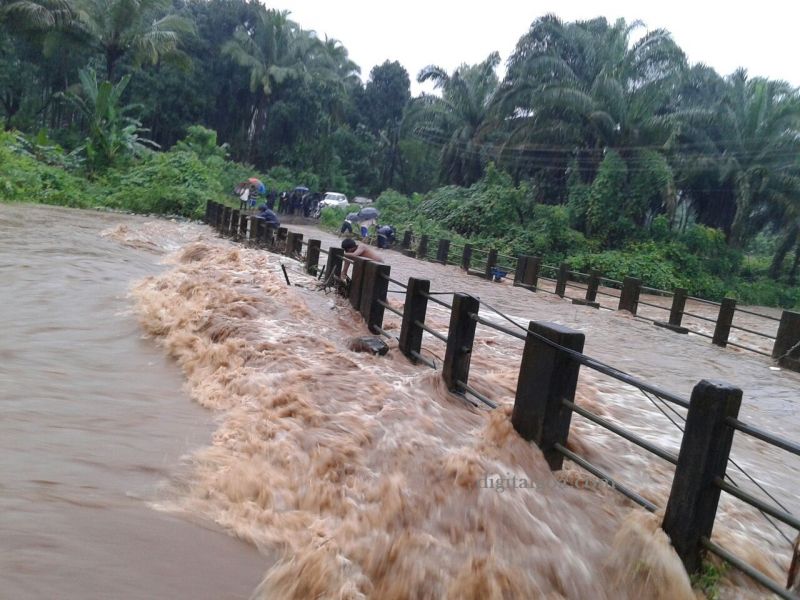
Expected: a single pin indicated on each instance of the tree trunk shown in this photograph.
(112, 57)
(786, 244)
(11, 105)
(743, 204)
(795, 264)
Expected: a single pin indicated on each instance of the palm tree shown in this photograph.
(335, 70)
(574, 91)
(276, 51)
(36, 15)
(337, 59)
(743, 145)
(138, 29)
(458, 119)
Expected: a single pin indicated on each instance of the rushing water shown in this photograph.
(92, 421)
(364, 475)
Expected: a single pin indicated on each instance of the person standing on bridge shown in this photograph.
(353, 248)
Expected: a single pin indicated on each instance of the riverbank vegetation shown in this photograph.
(602, 144)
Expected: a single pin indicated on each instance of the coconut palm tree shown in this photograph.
(276, 51)
(458, 119)
(142, 30)
(37, 15)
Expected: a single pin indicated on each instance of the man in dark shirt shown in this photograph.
(269, 217)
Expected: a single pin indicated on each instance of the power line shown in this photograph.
(440, 138)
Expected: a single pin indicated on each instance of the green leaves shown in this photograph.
(459, 120)
(113, 134)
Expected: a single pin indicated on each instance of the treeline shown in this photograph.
(605, 119)
(275, 93)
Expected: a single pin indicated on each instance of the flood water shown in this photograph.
(355, 476)
(93, 421)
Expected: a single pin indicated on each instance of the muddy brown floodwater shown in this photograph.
(93, 423)
(355, 476)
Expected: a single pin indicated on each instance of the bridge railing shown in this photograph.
(545, 397)
(593, 290)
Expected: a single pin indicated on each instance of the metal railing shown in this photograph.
(548, 378)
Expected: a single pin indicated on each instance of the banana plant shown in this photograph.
(113, 133)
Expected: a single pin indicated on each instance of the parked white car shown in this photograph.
(333, 199)
(362, 200)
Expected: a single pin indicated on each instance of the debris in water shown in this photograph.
(285, 274)
(368, 343)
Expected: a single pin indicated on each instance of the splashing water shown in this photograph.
(364, 471)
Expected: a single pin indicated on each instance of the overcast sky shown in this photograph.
(760, 36)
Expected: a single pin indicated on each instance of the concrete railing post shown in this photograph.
(592, 285)
(216, 210)
(422, 249)
(243, 220)
(561, 279)
(491, 263)
(547, 377)
(460, 337)
(373, 289)
(678, 306)
(333, 268)
(443, 251)
(253, 230)
(414, 311)
(466, 257)
(208, 218)
(312, 256)
(357, 281)
(629, 296)
(722, 331)
(294, 244)
(531, 275)
(706, 444)
(519, 272)
(269, 235)
(280, 239)
(787, 341)
(226, 221)
(233, 226)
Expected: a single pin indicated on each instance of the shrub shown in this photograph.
(174, 183)
(25, 179)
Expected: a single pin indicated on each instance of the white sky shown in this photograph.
(760, 36)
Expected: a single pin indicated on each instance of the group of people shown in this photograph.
(297, 202)
(300, 201)
(386, 235)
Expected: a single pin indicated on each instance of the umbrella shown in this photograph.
(352, 217)
(368, 213)
(259, 186)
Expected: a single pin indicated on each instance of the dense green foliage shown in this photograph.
(178, 182)
(496, 213)
(25, 178)
(610, 148)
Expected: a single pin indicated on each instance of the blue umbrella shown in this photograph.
(368, 213)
